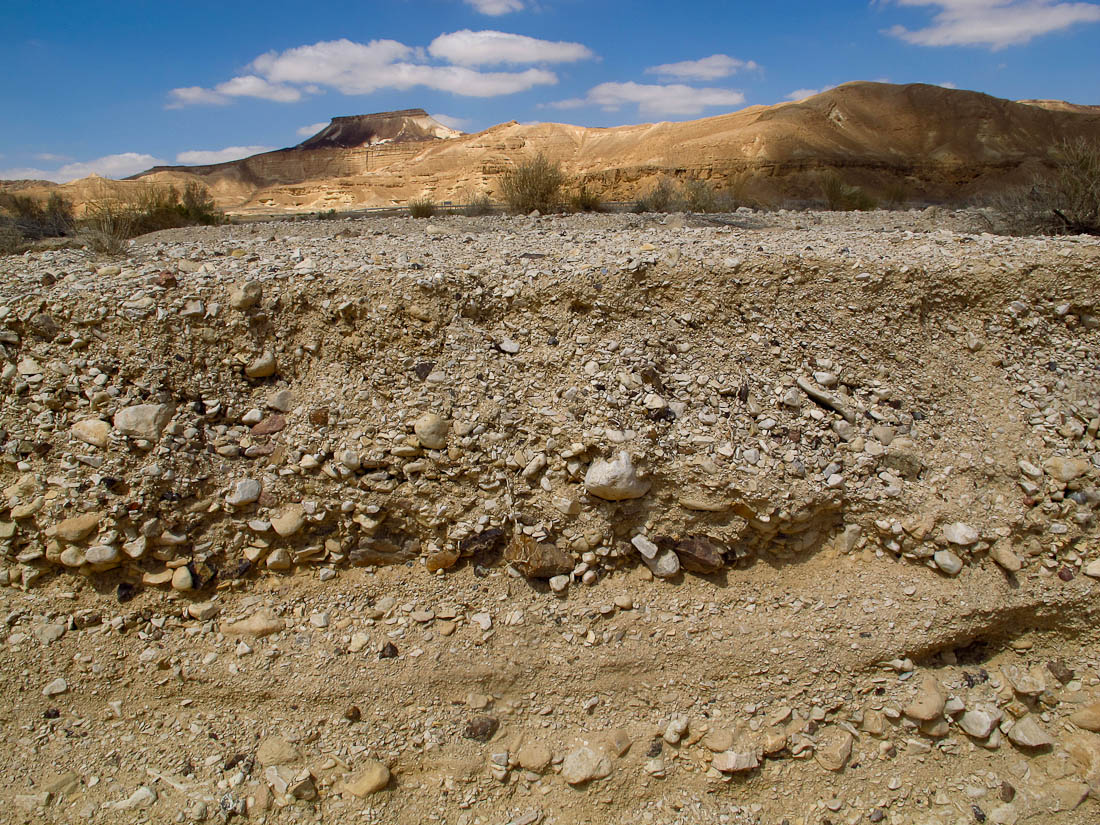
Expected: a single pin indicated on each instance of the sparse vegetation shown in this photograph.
(1065, 202)
(843, 197)
(110, 221)
(479, 205)
(534, 184)
(661, 198)
(584, 199)
(422, 207)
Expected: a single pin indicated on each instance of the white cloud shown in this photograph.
(495, 8)
(487, 48)
(458, 123)
(109, 166)
(674, 99)
(243, 86)
(357, 69)
(947, 84)
(994, 23)
(707, 68)
(312, 129)
(802, 94)
(201, 157)
(50, 156)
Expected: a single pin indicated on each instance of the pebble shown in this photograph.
(948, 562)
(1027, 734)
(261, 367)
(55, 688)
(145, 421)
(615, 480)
(961, 534)
(432, 430)
(246, 491)
(929, 702)
(371, 777)
(585, 764)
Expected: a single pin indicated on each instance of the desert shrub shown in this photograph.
(661, 198)
(479, 205)
(895, 194)
(11, 239)
(422, 207)
(34, 220)
(1066, 201)
(110, 221)
(584, 199)
(702, 196)
(842, 197)
(533, 184)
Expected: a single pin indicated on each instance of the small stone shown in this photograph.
(948, 562)
(261, 367)
(928, 703)
(289, 521)
(143, 797)
(202, 611)
(534, 756)
(247, 491)
(1002, 554)
(977, 723)
(78, 528)
(146, 421)
(1092, 569)
(92, 431)
(698, 554)
(103, 556)
(508, 346)
(275, 750)
(55, 688)
(182, 579)
(615, 480)
(246, 296)
(961, 534)
(537, 560)
(1088, 717)
(263, 622)
(559, 583)
(735, 761)
(666, 565)
(270, 425)
(1027, 734)
(432, 430)
(1066, 469)
(481, 728)
(585, 764)
(675, 729)
(834, 749)
(371, 777)
(279, 559)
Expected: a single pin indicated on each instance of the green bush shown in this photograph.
(841, 197)
(534, 184)
(422, 208)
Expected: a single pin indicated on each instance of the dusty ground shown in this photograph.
(876, 606)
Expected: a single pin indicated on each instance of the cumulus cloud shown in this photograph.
(487, 48)
(109, 166)
(495, 8)
(203, 157)
(458, 123)
(243, 86)
(673, 99)
(363, 68)
(802, 94)
(312, 129)
(996, 24)
(706, 68)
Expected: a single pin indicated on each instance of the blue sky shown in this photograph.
(115, 87)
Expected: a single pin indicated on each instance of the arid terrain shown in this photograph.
(755, 518)
(911, 143)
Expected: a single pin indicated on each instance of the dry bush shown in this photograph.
(1065, 202)
(34, 220)
(661, 198)
(533, 184)
(422, 208)
(702, 196)
(584, 199)
(479, 205)
(111, 221)
(842, 197)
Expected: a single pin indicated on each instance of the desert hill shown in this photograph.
(922, 141)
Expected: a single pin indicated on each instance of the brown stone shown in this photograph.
(535, 560)
(698, 554)
(78, 528)
(1088, 717)
(271, 424)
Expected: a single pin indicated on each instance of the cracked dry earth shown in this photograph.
(769, 518)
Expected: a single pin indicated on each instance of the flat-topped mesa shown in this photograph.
(382, 127)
